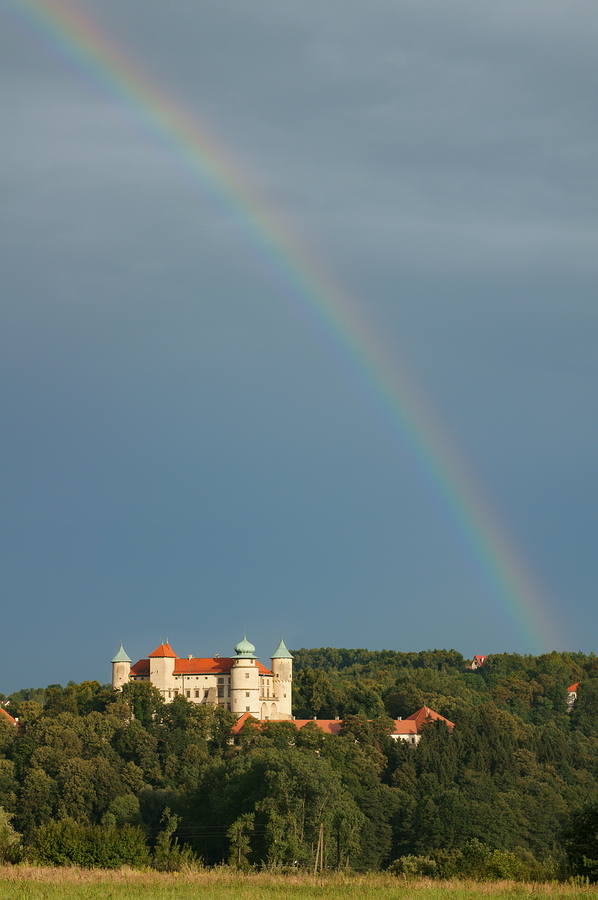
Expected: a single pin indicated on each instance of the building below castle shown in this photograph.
(240, 683)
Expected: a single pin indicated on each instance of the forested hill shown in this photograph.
(496, 797)
(331, 682)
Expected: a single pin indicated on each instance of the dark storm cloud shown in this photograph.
(179, 440)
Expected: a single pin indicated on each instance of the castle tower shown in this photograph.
(245, 680)
(121, 666)
(161, 673)
(282, 667)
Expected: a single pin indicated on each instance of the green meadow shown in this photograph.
(22, 883)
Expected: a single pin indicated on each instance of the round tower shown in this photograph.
(245, 680)
(282, 667)
(121, 666)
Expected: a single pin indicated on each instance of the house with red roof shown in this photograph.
(7, 717)
(477, 663)
(408, 729)
(572, 695)
(241, 683)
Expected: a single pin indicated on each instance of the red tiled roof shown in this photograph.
(573, 687)
(330, 726)
(195, 666)
(8, 716)
(141, 668)
(210, 665)
(424, 715)
(405, 726)
(480, 659)
(242, 721)
(164, 650)
(203, 665)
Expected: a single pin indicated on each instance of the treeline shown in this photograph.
(101, 778)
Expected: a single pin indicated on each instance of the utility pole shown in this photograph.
(320, 850)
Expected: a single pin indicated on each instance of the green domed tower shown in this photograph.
(245, 680)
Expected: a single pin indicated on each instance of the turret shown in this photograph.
(121, 666)
(245, 680)
(282, 667)
(162, 662)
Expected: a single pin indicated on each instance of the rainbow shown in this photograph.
(77, 42)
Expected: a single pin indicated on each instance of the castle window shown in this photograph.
(221, 681)
(176, 693)
(197, 693)
(247, 693)
(188, 693)
(205, 695)
(247, 709)
(220, 691)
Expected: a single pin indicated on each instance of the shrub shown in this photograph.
(67, 843)
(10, 840)
(169, 856)
(413, 866)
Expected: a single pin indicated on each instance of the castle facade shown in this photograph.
(240, 683)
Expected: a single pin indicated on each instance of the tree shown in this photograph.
(143, 701)
(581, 842)
(10, 841)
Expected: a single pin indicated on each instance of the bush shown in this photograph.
(10, 841)
(67, 843)
(169, 856)
(474, 860)
(414, 867)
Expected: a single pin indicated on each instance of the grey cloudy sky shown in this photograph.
(182, 455)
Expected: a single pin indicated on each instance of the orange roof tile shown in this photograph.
(196, 666)
(330, 726)
(573, 687)
(405, 726)
(242, 721)
(164, 650)
(8, 716)
(142, 667)
(409, 726)
(424, 715)
(210, 665)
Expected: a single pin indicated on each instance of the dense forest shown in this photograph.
(98, 777)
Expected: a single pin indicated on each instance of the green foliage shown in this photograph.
(123, 810)
(142, 701)
(10, 840)
(67, 843)
(581, 842)
(91, 768)
(286, 797)
(414, 867)
(474, 860)
(169, 856)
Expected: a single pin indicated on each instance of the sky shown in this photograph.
(329, 372)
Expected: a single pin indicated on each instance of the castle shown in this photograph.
(241, 684)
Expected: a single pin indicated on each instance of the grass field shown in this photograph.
(28, 883)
